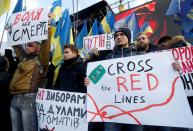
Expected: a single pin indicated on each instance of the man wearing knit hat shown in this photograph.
(123, 48)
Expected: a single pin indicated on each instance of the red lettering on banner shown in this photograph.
(151, 78)
(150, 87)
(134, 81)
(17, 18)
(121, 83)
(93, 44)
(101, 41)
(28, 16)
(40, 95)
(183, 53)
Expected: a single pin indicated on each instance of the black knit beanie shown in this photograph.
(126, 31)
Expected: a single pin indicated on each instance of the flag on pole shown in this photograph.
(4, 6)
(18, 6)
(81, 35)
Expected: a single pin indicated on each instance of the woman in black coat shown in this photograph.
(72, 72)
(5, 78)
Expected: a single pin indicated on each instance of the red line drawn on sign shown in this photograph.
(103, 114)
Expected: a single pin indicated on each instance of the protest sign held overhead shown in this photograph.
(28, 26)
(102, 42)
(184, 55)
(128, 90)
(59, 110)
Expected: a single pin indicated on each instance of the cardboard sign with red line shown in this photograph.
(132, 88)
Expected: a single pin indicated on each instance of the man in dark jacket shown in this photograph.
(123, 48)
(144, 45)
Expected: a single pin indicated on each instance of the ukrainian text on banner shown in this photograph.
(185, 56)
(59, 110)
(137, 90)
(102, 42)
(28, 26)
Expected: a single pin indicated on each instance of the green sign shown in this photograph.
(97, 74)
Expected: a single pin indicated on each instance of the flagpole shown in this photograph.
(3, 30)
(137, 21)
(76, 31)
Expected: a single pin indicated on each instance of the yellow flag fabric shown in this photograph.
(4, 6)
(106, 26)
(57, 54)
(71, 37)
(57, 12)
(56, 74)
(148, 30)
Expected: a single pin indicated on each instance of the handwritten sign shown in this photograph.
(28, 26)
(185, 56)
(102, 42)
(137, 90)
(59, 111)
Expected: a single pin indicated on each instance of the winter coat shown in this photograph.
(29, 74)
(118, 52)
(71, 76)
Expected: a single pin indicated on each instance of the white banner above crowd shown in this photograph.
(128, 90)
(28, 26)
(59, 110)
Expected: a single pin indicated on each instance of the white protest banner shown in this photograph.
(185, 56)
(28, 26)
(142, 89)
(102, 42)
(61, 111)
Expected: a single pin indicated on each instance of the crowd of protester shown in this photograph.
(21, 77)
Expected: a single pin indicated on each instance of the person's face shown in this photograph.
(164, 45)
(31, 48)
(121, 39)
(68, 54)
(142, 42)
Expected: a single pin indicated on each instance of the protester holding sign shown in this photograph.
(26, 80)
(72, 72)
(123, 48)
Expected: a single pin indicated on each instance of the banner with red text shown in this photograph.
(28, 26)
(184, 55)
(102, 42)
(61, 111)
(142, 90)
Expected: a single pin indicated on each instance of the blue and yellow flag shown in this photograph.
(183, 11)
(83, 33)
(94, 29)
(146, 28)
(132, 24)
(4, 6)
(107, 24)
(56, 11)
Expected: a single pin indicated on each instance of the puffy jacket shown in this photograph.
(71, 76)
